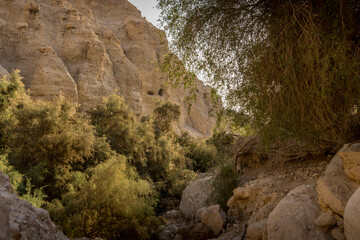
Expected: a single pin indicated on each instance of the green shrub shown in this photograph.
(109, 201)
(164, 114)
(225, 182)
(202, 156)
(51, 136)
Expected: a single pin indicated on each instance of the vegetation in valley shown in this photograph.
(103, 173)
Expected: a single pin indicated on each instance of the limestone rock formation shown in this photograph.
(352, 217)
(20, 220)
(89, 49)
(197, 195)
(294, 216)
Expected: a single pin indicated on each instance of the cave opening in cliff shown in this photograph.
(162, 92)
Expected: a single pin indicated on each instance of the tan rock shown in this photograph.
(334, 192)
(197, 195)
(351, 164)
(257, 230)
(213, 217)
(20, 220)
(334, 188)
(294, 216)
(197, 231)
(3, 72)
(325, 220)
(338, 234)
(51, 78)
(255, 200)
(352, 217)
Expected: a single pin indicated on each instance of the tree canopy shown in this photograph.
(291, 65)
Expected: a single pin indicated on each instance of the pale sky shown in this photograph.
(148, 9)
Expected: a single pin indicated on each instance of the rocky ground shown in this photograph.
(306, 199)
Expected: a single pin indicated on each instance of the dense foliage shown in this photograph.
(292, 66)
(100, 174)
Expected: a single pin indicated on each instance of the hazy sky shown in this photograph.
(148, 9)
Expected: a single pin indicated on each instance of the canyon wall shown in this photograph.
(89, 49)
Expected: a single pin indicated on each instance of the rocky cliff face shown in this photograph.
(89, 49)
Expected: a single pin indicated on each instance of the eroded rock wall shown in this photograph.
(89, 49)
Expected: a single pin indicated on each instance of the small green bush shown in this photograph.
(202, 156)
(225, 182)
(109, 201)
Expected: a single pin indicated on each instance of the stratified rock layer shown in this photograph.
(89, 49)
(21, 220)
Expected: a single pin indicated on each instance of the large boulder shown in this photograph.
(197, 195)
(352, 217)
(334, 188)
(213, 217)
(21, 220)
(293, 218)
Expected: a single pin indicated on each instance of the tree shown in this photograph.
(46, 140)
(164, 114)
(109, 200)
(292, 65)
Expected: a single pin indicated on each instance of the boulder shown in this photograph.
(255, 200)
(334, 192)
(213, 217)
(352, 217)
(325, 220)
(351, 164)
(197, 195)
(21, 220)
(197, 231)
(334, 188)
(257, 230)
(294, 216)
(338, 234)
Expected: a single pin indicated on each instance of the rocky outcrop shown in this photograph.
(197, 195)
(20, 220)
(89, 49)
(294, 216)
(352, 217)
